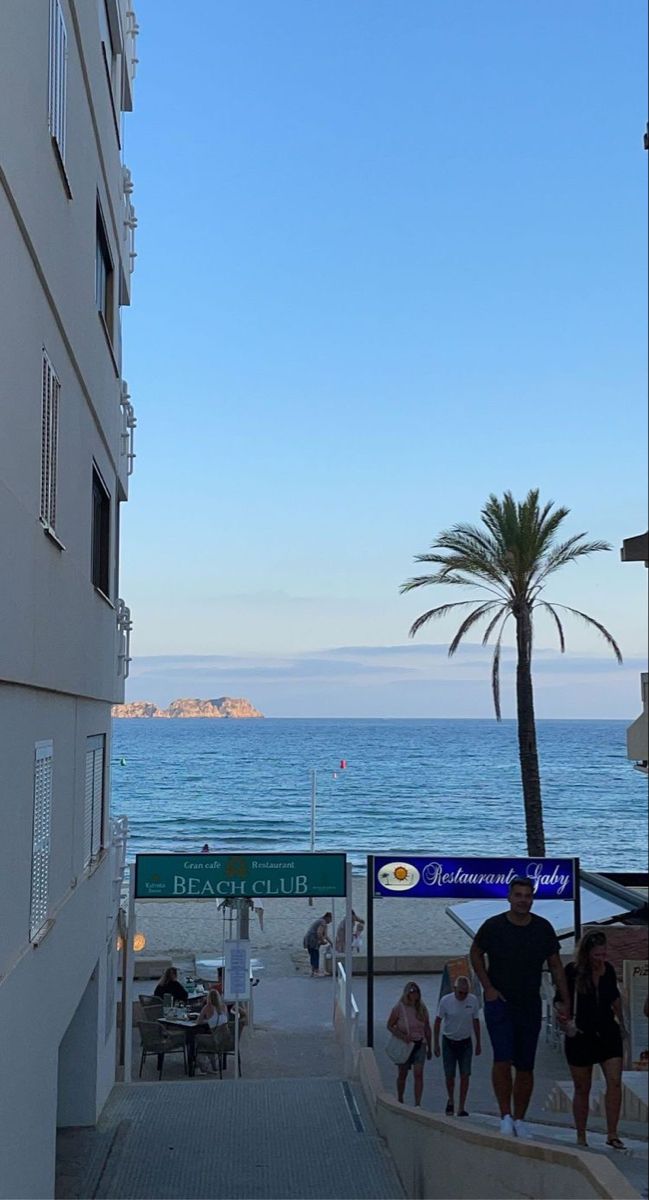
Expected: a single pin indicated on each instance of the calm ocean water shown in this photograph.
(445, 786)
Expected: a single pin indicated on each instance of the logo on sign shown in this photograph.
(399, 876)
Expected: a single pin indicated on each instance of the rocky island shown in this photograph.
(223, 706)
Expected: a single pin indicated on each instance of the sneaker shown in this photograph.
(523, 1130)
(507, 1127)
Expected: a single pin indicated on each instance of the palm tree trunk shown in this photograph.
(527, 749)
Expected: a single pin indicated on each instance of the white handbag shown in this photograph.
(398, 1050)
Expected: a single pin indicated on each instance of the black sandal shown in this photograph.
(616, 1143)
(463, 1113)
(450, 1109)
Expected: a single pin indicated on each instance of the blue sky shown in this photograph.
(391, 258)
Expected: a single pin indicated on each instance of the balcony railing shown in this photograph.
(129, 218)
(129, 425)
(124, 627)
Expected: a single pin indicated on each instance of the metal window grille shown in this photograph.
(93, 816)
(57, 83)
(50, 391)
(43, 752)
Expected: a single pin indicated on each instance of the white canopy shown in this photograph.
(601, 900)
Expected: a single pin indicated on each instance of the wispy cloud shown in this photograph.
(401, 680)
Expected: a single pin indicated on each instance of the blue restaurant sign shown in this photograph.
(215, 876)
(436, 876)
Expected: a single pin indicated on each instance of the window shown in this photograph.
(39, 901)
(50, 391)
(100, 534)
(57, 77)
(93, 813)
(103, 275)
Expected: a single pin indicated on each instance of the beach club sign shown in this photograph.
(436, 876)
(218, 876)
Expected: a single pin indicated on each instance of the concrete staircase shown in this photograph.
(634, 1096)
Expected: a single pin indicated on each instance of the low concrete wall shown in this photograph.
(398, 964)
(439, 1159)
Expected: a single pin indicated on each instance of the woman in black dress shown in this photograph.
(594, 1033)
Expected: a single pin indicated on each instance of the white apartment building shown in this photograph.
(66, 453)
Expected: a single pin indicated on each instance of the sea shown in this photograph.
(441, 786)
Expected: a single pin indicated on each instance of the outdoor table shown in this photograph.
(209, 968)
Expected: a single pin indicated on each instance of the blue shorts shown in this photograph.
(514, 1032)
(458, 1052)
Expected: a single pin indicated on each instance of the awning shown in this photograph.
(601, 900)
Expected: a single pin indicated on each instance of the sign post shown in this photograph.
(236, 984)
(576, 899)
(369, 981)
(440, 876)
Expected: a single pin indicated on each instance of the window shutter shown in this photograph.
(98, 798)
(93, 813)
(57, 83)
(87, 808)
(41, 836)
(50, 389)
(45, 438)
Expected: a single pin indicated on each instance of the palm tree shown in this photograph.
(510, 558)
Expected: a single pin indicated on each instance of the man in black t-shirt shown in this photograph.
(516, 943)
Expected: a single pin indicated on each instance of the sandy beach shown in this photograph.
(180, 929)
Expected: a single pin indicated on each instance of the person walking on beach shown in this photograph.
(315, 937)
(594, 1031)
(516, 943)
(358, 925)
(409, 1021)
(457, 1017)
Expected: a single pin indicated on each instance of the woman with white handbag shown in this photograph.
(410, 1043)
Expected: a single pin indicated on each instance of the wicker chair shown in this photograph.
(151, 1007)
(218, 1044)
(156, 1041)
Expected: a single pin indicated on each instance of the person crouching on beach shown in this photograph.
(410, 1022)
(315, 937)
(358, 925)
(457, 1015)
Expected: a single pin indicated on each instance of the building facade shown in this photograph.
(66, 452)
(636, 549)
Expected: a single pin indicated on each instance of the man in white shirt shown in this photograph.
(457, 1013)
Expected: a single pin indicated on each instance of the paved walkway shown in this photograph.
(290, 1127)
(246, 1139)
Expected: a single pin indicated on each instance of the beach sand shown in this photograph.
(181, 929)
